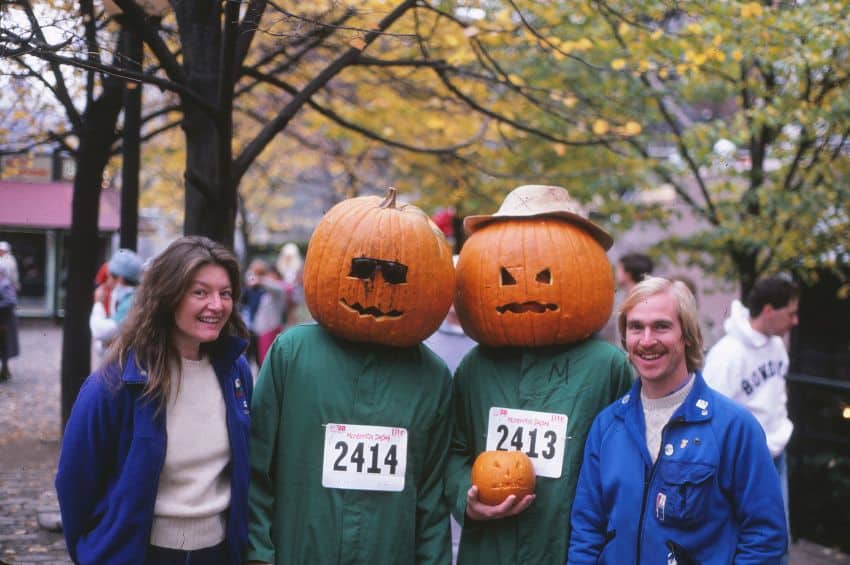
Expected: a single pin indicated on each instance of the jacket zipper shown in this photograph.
(648, 481)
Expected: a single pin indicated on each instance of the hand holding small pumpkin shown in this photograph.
(502, 485)
(511, 506)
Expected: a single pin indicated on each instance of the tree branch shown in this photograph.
(333, 116)
(505, 120)
(92, 46)
(247, 29)
(147, 28)
(315, 40)
(60, 88)
(118, 149)
(279, 122)
(50, 56)
(375, 62)
(680, 190)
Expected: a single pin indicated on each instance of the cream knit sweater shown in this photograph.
(194, 486)
(657, 412)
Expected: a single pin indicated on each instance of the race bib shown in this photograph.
(364, 457)
(540, 435)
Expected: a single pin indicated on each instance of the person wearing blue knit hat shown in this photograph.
(125, 269)
(126, 264)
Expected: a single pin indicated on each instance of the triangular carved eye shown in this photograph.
(507, 278)
(544, 277)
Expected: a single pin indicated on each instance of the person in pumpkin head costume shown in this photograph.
(533, 286)
(351, 417)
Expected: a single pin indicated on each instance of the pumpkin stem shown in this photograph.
(389, 199)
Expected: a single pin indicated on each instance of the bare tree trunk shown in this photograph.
(131, 148)
(203, 214)
(96, 137)
(210, 197)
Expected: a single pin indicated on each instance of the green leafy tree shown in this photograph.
(740, 107)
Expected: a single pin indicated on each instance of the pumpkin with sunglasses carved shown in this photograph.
(534, 273)
(378, 271)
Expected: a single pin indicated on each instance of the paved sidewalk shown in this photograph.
(29, 446)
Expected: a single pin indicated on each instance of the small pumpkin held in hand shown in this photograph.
(499, 474)
(378, 271)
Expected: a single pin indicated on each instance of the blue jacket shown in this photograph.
(112, 454)
(712, 496)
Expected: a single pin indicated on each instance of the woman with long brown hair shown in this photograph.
(154, 462)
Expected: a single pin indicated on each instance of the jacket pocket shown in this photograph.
(684, 493)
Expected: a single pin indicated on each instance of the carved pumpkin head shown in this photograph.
(377, 272)
(535, 273)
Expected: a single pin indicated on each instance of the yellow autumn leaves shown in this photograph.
(691, 59)
(601, 127)
(752, 10)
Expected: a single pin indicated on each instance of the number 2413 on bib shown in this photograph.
(540, 435)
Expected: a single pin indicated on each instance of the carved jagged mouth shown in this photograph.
(370, 310)
(534, 307)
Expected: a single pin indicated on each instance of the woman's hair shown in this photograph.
(686, 307)
(149, 327)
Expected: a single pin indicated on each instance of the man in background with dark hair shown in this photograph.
(749, 363)
(631, 269)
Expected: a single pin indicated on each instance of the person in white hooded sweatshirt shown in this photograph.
(749, 363)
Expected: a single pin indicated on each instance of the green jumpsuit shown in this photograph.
(576, 380)
(309, 379)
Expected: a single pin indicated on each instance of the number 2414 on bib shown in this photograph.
(360, 457)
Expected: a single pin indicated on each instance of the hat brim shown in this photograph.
(474, 223)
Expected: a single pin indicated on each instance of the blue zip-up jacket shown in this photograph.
(112, 454)
(712, 497)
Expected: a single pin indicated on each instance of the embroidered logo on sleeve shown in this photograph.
(241, 399)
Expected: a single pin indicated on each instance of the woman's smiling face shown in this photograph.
(203, 311)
